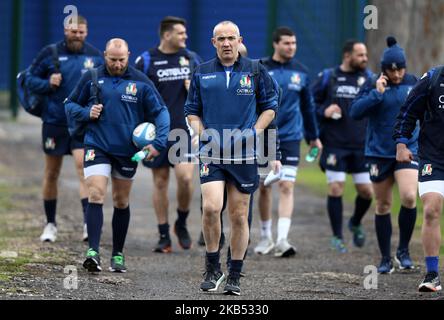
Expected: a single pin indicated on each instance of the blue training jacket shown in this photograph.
(426, 105)
(297, 112)
(230, 103)
(72, 66)
(127, 101)
(381, 111)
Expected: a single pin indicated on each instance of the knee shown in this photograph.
(120, 202)
(161, 184)
(431, 214)
(366, 193)
(96, 195)
(211, 211)
(335, 189)
(408, 200)
(383, 206)
(264, 191)
(186, 181)
(52, 175)
(286, 189)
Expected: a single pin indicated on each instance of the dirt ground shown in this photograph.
(30, 269)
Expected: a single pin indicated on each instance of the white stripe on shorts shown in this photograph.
(431, 186)
(103, 169)
(289, 173)
(361, 178)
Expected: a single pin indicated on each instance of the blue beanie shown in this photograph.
(394, 56)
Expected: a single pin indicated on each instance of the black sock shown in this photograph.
(164, 230)
(120, 223)
(383, 224)
(361, 207)
(236, 267)
(94, 224)
(84, 207)
(50, 210)
(212, 258)
(406, 221)
(334, 207)
(182, 217)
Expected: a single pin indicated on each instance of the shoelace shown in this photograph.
(118, 259)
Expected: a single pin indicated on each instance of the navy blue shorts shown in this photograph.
(98, 162)
(430, 171)
(56, 140)
(244, 176)
(382, 168)
(185, 154)
(290, 153)
(343, 160)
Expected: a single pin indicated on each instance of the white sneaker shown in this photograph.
(284, 249)
(272, 178)
(264, 246)
(85, 233)
(49, 233)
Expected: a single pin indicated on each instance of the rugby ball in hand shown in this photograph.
(144, 134)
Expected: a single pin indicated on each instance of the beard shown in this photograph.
(358, 66)
(74, 45)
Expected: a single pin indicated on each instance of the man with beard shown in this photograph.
(127, 98)
(344, 140)
(56, 79)
(169, 66)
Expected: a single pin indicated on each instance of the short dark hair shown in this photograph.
(349, 46)
(167, 24)
(282, 31)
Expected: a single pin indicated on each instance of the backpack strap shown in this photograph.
(146, 61)
(55, 57)
(327, 77)
(95, 86)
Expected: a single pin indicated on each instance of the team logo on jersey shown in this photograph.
(374, 171)
(88, 63)
(131, 89)
(50, 144)
(245, 82)
(204, 170)
(331, 159)
(296, 78)
(361, 81)
(90, 155)
(427, 170)
(184, 62)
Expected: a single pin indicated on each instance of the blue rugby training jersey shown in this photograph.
(427, 106)
(229, 99)
(381, 109)
(335, 86)
(72, 66)
(168, 73)
(297, 112)
(127, 101)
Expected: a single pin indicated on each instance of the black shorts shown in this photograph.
(343, 160)
(430, 171)
(244, 176)
(179, 153)
(382, 168)
(56, 140)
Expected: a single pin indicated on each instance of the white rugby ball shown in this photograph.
(144, 134)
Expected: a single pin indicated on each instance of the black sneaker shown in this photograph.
(92, 261)
(183, 236)
(118, 263)
(430, 283)
(232, 287)
(213, 278)
(164, 245)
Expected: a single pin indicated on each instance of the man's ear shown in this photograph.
(213, 41)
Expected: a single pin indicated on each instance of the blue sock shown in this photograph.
(94, 224)
(120, 223)
(236, 267)
(182, 217)
(50, 210)
(383, 225)
(213, 259)
(164, 230)
(334, 208)
(432, 264)
(361, 207)
(406, 221)
(84, 207)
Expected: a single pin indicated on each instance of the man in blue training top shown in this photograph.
(296, 118)
(344, 140)
(57, 79)
(169, 66)
(226, 102)
(127, 98)
(425, 103)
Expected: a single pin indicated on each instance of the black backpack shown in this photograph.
(32, 102)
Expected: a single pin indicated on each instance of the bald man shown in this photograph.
(223, 96)
(126, 98)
